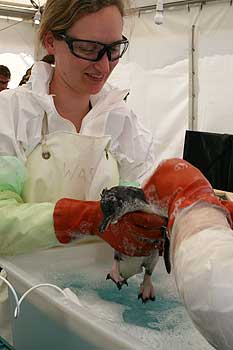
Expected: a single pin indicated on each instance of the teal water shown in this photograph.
(162, 324)
(151, 315)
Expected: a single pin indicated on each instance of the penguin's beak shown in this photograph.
(105, 223)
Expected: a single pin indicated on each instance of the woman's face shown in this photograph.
(86, 77)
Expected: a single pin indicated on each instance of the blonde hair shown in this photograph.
(60, 15)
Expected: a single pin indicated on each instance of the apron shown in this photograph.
(69, 165)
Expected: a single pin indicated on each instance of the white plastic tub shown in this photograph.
(107, 318)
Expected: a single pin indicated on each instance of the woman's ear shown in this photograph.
(49, 43)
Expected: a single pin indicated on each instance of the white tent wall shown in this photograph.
(16, 47)
(215, 72)
(158, 70)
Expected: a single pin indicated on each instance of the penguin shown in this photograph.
(116, 202)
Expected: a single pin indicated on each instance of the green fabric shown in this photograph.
(12, 174)
(9, 194)
(24, 227)
(133, 184)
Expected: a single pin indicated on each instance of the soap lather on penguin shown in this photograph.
(115, 203)
(119, 200)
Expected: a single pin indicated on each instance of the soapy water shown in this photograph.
(162, 324)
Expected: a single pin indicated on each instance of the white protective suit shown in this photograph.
(22, 112)
(112, 147)
(202, 253)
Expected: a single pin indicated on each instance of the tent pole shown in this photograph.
(192, 85)
(193, 74)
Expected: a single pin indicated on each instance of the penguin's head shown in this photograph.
(119, 200)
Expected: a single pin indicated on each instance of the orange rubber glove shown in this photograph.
(135, 234)
(229, 206)
(177, 184)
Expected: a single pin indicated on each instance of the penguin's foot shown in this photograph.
(147, 290)
(114, 274)
(117, 279)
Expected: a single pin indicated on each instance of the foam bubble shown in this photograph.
(163, 324)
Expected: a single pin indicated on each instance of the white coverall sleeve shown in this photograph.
(132, 145)
(24, 227)
(202, 257)
(8, 132)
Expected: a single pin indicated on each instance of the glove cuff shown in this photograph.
(198, 191)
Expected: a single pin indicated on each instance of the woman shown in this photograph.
(67, 134)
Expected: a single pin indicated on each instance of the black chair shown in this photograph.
(212, 154)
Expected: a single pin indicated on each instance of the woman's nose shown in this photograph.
(103, 64)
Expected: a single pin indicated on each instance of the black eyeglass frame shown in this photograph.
(106, 47)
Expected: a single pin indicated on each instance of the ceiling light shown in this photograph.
(158, 18)
(37, 17)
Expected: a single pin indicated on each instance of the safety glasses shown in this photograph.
(93, 50)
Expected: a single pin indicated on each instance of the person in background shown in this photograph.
(5, 76)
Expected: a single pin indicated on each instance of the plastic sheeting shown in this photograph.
(215, 51)
(160, 98)
(156, 70)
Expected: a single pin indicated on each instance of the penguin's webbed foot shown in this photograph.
(147, 290)
(119, 281)
(145, 299)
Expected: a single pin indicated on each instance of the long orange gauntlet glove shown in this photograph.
(229, 206)
(174, 185)
(135, 234)
(177, 184)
